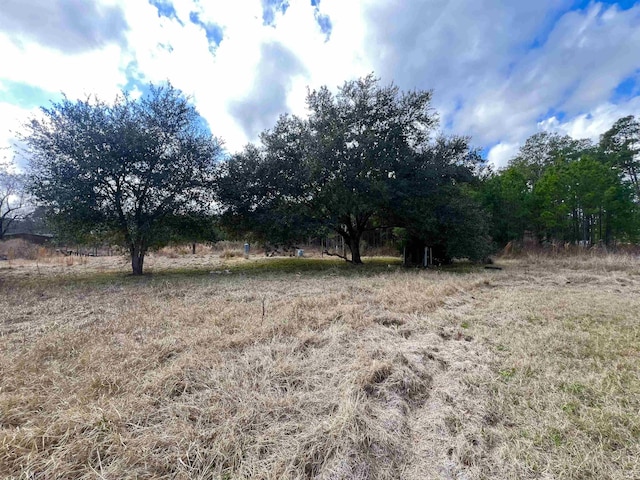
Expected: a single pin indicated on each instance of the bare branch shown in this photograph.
(13, 201)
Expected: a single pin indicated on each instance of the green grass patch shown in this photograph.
(299, 265)
(250, 267)
(507, 373)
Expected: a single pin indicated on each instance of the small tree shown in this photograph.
(123, 169)
(13, 200)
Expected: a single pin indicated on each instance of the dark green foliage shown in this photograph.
(621, 147)
(195, 227)
(265, 190)
(434, 200)
(363, 160)
(123, 170)
(568, 190)
(509, 197)
(585, 200)
(360, 139)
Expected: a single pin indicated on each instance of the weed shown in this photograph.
(571, 408)
(507, 373)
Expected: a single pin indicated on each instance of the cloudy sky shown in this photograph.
(500, 70)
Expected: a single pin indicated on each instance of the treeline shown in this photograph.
(145, 172)
(562, 189)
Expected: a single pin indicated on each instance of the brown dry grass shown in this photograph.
(18, 248)
(301, 369)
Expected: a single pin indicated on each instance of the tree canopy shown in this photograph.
(365, 157)
(123, 169)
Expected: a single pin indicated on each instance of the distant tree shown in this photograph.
(585, 200)
(510, 194)
(621, 145)
(192, 229)
(123, 169)
(13, 200)
(33, 222)
(542, 150)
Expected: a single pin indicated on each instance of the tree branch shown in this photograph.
(326, 252)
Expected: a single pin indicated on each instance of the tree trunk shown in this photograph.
(607, 228)
(634, 180)
(193, 248)
(354, 246)
(137, 259)
(600, 225)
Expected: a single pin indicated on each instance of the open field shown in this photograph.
(292, 368)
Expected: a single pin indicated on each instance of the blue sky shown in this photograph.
(500, 70)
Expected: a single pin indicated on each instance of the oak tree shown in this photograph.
(123, 168)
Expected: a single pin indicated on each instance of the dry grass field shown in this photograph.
(214, 368)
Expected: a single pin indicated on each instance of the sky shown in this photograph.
(500, 70)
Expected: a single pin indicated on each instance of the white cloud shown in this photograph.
(47, 22)
(498, 68)
(501, 153)
(593, 123)
(586, 56)
(464, 50)
(79, 74)
(233, 74)
(590, 125)
(13, 117)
